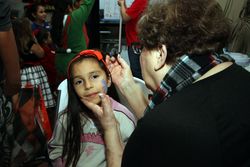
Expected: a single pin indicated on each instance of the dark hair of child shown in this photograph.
(76, 109)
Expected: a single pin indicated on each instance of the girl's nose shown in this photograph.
(88, 84)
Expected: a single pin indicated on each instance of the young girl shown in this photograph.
(68, 29)
(30, 54)
(37, 14)
(78, 137)
(43, 37)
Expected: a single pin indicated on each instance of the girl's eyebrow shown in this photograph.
(92, 72)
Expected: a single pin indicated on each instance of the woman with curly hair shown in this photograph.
(195, 117)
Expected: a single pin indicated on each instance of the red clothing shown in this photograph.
(48, 63)
(85, 33)
(134, 11)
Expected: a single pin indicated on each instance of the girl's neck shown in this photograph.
(40, 22)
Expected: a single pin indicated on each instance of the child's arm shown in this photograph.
(82, 13)
(55, 145)
(37, 50)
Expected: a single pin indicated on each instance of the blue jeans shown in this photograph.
(134, 60)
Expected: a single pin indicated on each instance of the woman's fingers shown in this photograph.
(106, 105)
(122, 62)
(113, 62)
(101, 111)
(97, 110)
(108, 119)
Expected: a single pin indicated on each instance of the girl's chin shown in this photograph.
(93, 100)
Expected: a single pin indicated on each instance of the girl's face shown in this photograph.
(89, 79)
(40, 14)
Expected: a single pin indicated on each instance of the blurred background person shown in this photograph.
(130, 16)
(37, 14)
(30, 55)
(10, 82)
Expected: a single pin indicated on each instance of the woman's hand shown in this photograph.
(103, 113)
(123, 79)
(120, 72)
(113, 143)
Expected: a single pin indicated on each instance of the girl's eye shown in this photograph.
(94, 76)
(78, 82)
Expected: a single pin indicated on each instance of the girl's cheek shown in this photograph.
(104, 86)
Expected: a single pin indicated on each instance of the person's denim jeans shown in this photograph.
(134, 60)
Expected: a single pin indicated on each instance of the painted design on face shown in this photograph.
(104, 86)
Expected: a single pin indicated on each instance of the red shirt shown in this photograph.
(135, 12)
(48, 63)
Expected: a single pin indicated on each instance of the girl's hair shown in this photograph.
(76, 110)
(61, 8)
(42, 35)
(32, 9)
(23, 34)
(185, 27)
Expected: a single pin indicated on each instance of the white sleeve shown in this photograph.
(55, 144)
(126, 125)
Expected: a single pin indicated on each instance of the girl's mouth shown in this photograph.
(91, 95)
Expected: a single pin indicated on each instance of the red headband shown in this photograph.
(93, 53)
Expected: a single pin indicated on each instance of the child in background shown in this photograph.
(30, 53)
(78, 138)
(48, 61)
(36, 13)
(32, 72)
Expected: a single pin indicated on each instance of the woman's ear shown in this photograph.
(161, 58)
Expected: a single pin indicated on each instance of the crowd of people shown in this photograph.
(180, 49)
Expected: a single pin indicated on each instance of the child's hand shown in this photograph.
(103, 113)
